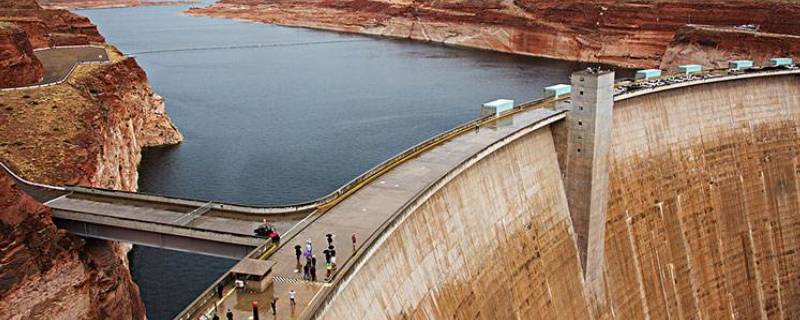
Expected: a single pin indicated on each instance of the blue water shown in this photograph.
(294, 119)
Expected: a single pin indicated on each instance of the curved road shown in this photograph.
(59, 63)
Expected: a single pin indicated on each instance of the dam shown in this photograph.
(701, 220)
(695, 214)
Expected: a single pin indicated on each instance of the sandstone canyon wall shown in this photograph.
(20, 66)
(47, 273)
(625, 33)
(86, 4)
(703, 221)
(714, 47)
(89, 131)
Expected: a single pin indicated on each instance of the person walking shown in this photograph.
(307, 271)
(327, 254)
(328, 271)
(255, 310)
(330, 238)
(229, 315)
(353, 237)
(292, 296)
(313, 273)
(308, 248)
(274, 305)
(298, 251)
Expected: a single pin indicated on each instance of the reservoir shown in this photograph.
(277, 115)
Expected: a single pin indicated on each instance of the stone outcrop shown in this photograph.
(626, 33)
(89, 131)
(49, 27)
(714, 47)
(47, 273)
(86, 4)
(20, 66)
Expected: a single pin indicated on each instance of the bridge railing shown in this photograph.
(66, 76)
(337, 196)
(317, 306)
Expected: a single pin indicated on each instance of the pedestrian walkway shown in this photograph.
(363, 213)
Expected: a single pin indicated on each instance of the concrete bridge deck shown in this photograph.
(364, 213)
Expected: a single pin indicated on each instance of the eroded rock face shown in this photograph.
(47, 273)
(713, 47)
(20, 66)
(90, 131)
(626, 33)
(85, 4)
(49, 27)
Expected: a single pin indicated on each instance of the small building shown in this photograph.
(740, 64)
(690, 68)
(557, 91)
(495, 108)
(256, 274)
(778, 62)
(648, 74)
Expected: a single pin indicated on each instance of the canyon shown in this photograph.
(624, 33)
(89, 130)
(702, 218)
(104, 4)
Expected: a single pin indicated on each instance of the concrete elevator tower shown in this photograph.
(589, 139)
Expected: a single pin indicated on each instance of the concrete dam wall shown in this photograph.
(702, 222)
(494, 242)
(704, 214)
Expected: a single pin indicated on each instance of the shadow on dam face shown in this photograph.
(703, 221)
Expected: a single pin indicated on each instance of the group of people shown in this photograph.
(310, 267)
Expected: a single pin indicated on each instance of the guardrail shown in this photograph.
(317, 307)
(70, 47)
(338, 278)
(27, 182)
(357, 183)
(66, 76)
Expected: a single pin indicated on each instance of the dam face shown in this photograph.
(494, 242)
(702, 222)
(704, 217)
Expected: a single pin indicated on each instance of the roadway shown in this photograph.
(58, 63)
(364, 212)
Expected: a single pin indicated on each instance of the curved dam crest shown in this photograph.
(702, 222)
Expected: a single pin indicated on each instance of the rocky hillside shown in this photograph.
(49, 274)
(84, 4)
(627, 33)
(89, 131)
(52, 27)
(20, 66)
(715, 46)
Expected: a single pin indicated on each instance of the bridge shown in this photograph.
(378, 204)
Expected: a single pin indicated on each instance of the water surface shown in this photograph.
(288, 115)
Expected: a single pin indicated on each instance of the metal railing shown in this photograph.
(359, 182)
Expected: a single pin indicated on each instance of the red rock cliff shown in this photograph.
(51, 27)
(20, 66)
(89, 130)
(46, 273)
(628, 33)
